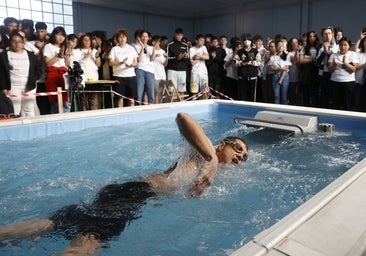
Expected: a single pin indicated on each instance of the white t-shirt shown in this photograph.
(340, 74)
(119, 53)
(88, 65)
(361, 72)
(145, 64)
(52, 51)
(312, 52)
(159, 69)
(199, 67)
(278, 62)
(19, 71)
(232, 69)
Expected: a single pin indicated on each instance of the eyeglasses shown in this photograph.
(237, 148)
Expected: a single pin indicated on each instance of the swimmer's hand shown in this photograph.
(194, 134)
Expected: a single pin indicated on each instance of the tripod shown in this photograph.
(77, 94)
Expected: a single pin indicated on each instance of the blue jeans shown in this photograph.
(145, 82)
(280, 91)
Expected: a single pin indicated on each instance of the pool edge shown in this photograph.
(296, 234)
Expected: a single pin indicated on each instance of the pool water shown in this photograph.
(39, 176)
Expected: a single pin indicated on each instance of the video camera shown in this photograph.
(75, 75)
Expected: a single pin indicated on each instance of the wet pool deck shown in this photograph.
(331, 223)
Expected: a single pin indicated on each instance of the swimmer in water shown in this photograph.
(87, 226)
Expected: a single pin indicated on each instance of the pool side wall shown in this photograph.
(43, 126)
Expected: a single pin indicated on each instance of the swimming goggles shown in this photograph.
(237, 148)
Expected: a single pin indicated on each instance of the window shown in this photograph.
(53, 12)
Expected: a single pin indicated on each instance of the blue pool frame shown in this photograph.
(30, 128)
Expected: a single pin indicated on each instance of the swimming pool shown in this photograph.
(40, 174)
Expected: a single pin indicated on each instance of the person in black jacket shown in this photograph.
(178, 61)
(19, 71)
(215, 65)
(247, 60)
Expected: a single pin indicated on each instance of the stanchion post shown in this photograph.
(59, 100)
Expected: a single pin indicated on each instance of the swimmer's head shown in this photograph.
(232, 150)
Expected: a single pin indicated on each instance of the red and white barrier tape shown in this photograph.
(34, 94)
(194, 97)
(130, 99)
(45, 94)
(221, 94)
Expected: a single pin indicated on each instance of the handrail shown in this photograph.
(266, 121)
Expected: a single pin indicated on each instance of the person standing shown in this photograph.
(215, 65)
(199, 74)
(39, 42)
(123, 59)
(327, 48)
(20, 70)
(258, 44)
(230, 83)
(342, 66)
(178, 61)
(279, 65)
(160, 62)
(309, 69)
(57, 62)
(248, 60)
(90, 62)
(267, 74)
(294, 92)
(145, 68)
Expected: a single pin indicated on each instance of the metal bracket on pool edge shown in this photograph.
(243, 119)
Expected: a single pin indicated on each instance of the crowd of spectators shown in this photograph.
(327, 72)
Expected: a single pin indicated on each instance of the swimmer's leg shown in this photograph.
(26, 229)
(82, 245)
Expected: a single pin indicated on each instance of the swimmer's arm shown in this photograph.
(194, 134)
(205, 178)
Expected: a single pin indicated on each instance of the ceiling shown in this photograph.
(187, 8)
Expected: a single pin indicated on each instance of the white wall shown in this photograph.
(289, 20)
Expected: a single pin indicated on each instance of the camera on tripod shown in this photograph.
(75, 75)
(76, 86)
